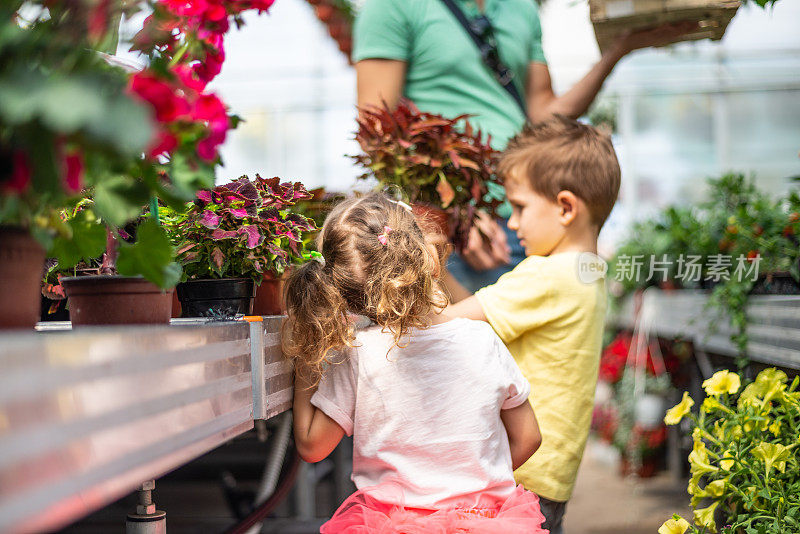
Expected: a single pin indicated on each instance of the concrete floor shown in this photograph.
(606, 503)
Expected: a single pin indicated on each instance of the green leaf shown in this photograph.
(119, 199)
(87, 242)
(151, 256)
(126, 125)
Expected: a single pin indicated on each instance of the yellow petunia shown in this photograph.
(715, 489)
(698, 460)
(710, 404)
(722, 382)
(724, 463)
(677, 412)
(676, 525)
(773, 454)
(704, 517)
(775, 428)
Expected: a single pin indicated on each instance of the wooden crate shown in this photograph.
(611, 18)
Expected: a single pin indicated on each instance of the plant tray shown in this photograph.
(611, 18)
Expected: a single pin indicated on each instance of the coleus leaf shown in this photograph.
(209, 219)
(218, 259)
(254, 237)
(219, 233)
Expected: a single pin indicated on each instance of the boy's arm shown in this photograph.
(315, 434)
(469, 308)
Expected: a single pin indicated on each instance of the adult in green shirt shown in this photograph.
(417, 49)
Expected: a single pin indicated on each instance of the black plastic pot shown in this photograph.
(222, 298)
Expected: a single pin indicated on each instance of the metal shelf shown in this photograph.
(773, 331)
(87, 415)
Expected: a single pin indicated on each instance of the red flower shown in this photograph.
(20, 173)
(165, 142)
(98, 20)
(207, 148)
(73, 172)
(167, 105)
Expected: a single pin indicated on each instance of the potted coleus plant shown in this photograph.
(234, 237)
(441, 165)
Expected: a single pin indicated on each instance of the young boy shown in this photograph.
(562, 179)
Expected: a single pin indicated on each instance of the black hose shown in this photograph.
(264, 509)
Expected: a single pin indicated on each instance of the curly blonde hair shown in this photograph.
(394, 284)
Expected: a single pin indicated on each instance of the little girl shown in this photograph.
(438, 408)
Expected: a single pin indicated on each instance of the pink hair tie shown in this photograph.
(383, 238)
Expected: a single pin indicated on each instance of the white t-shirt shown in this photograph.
(426, 417)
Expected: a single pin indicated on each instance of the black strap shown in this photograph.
(503, 75)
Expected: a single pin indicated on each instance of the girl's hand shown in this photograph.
(315, 434)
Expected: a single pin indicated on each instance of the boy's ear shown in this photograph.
(569, 205)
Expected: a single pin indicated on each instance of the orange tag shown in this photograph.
(253, 318)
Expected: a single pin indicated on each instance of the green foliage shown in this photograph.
(744, 464)
(151, 256)
(738, 221)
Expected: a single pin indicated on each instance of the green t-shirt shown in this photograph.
(445, 73)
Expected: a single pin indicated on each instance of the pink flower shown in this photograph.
(167, 105)
(210, 108)
(73, 172)
(188, 78)
(207, 69)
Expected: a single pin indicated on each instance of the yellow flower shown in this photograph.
(698, 460)
(773, 454)
(710, 404)
(722, 382)
(716, 488)
(676, 525)
(775, 428)
(726, 464)
(769, 384)
(676, 413)
(705, 517)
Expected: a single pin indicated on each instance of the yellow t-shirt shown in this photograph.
(551, 317)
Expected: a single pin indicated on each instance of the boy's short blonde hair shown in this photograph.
(562, 154)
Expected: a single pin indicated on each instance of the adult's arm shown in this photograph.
(543, 102)
(379, 81)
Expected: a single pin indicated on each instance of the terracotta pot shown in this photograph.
(432, 219)
(223, 298)
(176, 305)
(21, 269)
(107, 300)
(269, 297)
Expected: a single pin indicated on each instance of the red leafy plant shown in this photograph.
(243, 229)
(432, 160)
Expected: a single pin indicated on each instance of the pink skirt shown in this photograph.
(363, 514)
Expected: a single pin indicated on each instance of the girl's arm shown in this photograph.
(523, 432)
(315, 434)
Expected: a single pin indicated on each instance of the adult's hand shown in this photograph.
(487, 246)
